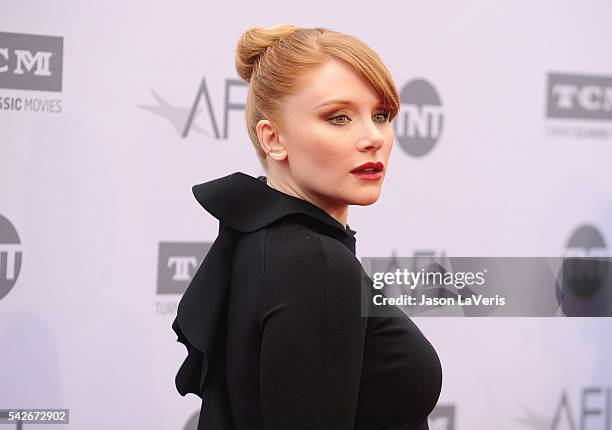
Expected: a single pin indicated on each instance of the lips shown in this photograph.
(370, 166)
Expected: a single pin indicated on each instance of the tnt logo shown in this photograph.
(418, 125)
(177, 264)
(586, 241)
(579, 96)
(583, 282)
(31, 62)
(10, 256)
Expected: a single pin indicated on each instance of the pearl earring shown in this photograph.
(275, 155)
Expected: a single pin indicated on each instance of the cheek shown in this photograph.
(389, 140)
(320, 148)
(389, 135)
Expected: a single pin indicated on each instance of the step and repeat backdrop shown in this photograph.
(110, 112)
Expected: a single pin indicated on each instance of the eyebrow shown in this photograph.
(342, 102)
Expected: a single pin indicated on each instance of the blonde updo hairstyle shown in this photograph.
(274, 59)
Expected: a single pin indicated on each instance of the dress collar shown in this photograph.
(247, 204)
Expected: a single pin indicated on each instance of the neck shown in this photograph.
(337, 211)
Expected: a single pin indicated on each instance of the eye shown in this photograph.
(383, 116)
(341, 122)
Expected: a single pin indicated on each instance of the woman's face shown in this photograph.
(325, 139)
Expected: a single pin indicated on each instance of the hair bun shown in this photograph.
(253, 43)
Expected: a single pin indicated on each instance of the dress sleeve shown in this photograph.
(312, 337)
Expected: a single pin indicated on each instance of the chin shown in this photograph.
(365, 199)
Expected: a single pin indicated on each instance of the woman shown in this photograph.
(272, 318)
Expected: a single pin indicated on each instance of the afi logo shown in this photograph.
(593, 412)
(579, 96)
(183, 118)
(31, 62)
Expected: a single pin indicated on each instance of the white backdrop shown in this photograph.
(96, 176)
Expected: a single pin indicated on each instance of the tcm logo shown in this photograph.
(419, 123)
(579, 96)
(177, 263)
(10, 256)
(442, 418)
(187, 118)
(31, 62)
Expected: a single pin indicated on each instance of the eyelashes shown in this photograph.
(384, 115)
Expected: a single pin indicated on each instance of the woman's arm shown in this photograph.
(312, 336)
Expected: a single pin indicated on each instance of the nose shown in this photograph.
(373, 138)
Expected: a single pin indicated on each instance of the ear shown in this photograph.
(269, 140)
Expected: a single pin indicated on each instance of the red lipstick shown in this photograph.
(369, 170)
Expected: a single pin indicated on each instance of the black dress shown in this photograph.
(273, 327)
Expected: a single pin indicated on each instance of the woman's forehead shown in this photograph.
(334, 83)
